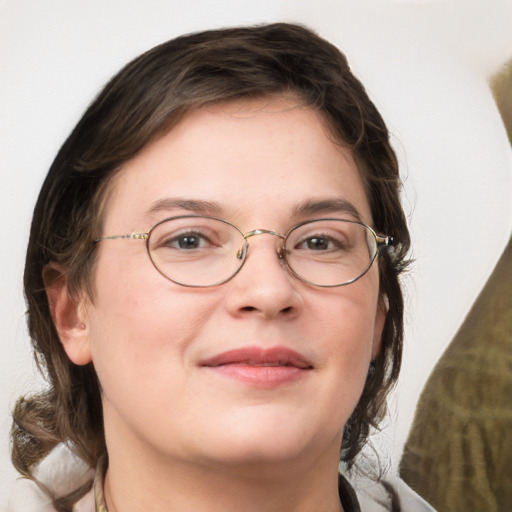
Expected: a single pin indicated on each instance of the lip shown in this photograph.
(259, 366)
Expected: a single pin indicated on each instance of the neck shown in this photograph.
(134, 484)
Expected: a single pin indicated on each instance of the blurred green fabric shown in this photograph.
(459, 453)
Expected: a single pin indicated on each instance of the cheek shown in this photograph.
(350, 346)
(140, 326)
(347, 316)
(345, 333)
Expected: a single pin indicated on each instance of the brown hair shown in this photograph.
(142, 102)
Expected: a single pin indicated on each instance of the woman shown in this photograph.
(213, 284)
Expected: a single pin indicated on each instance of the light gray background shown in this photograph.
(425, 64)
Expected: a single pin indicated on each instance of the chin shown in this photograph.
(258, 455)
(270, 442)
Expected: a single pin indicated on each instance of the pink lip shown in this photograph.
(260, 367)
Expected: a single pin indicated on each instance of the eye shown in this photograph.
(188, 241)
(320, 242)
(317, 243)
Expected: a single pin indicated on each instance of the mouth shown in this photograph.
(254, 356)
(260, 367)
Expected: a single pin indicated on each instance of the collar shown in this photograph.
(347, 494)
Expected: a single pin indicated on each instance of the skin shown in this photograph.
(183, 437)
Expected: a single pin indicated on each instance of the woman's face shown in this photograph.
(263, 368)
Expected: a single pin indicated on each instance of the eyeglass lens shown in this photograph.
(204, 251)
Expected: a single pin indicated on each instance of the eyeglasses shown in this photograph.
(203, 251)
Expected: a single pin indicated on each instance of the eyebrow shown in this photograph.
(305, 209)
(191, 205)
(325, 206)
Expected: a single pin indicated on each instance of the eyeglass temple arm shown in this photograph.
(134, 236)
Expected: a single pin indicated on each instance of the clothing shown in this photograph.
(61, 473)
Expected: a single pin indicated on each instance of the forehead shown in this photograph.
(239, 159)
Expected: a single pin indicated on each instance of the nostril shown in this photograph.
(285, 311)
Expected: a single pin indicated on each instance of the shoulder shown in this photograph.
(377, 496)
(59, 474)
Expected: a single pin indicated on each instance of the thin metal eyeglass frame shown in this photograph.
(381, 241)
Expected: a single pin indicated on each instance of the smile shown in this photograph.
(259, 367)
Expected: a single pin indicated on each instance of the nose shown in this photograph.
(264, 286)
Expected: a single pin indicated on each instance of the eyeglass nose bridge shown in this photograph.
(256, 232)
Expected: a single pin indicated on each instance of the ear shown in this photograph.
(68, 313)
(380, 320)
